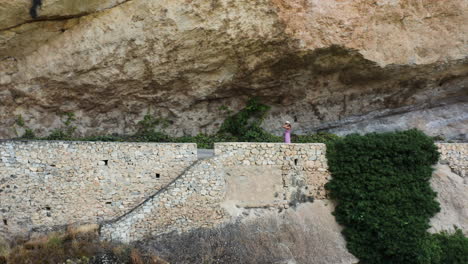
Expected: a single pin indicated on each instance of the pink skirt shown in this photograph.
(287, 136)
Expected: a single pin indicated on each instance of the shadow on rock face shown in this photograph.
(308, 234)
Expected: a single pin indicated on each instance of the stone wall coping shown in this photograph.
(91, 142)
(4, 141)
(446, 143)
(267, 143)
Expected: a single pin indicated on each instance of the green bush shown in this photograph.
(321, 137)
(381, 184)
(149, 124)
(454, 247)
(66, 131)
(257, 134)
(246, 121)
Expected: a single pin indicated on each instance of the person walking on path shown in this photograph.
(287, 132)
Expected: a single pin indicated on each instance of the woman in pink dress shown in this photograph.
(287, 132)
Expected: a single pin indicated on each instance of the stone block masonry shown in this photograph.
(303, 167)
(241, 176)
(456, 157)
(192, 201)
(45, 184)
(135, 190)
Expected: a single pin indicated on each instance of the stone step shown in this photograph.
(205, 153)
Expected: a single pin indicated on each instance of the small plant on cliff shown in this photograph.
(28, 133)
(247, 120)
(381, 184)
(147, 129)
(225, 108)
(67, 131)
(20, 121)
(149, 123)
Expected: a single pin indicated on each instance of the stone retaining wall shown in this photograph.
(46, 183)
(241, 176)
(301, 166)
(192, 201)
(455, 155)
(142, 189)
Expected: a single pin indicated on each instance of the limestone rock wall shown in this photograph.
(48, 184)
(450, 181)
(340, 66)
(306, 234)
(452, 194)
(401, 32)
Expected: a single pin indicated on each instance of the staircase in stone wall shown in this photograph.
(216, 189)
(192, 200)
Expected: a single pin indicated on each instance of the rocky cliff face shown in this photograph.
(341, 66)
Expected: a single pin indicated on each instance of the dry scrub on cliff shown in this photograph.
(78, 245)
(297, 236)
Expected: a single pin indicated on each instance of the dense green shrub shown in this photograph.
(149, 123)
(321, 137)
(249, 118)
(381, 184)
(454, 247)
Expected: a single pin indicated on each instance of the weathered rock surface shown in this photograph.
(326, 65)
(452, 194)
(307, 234)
